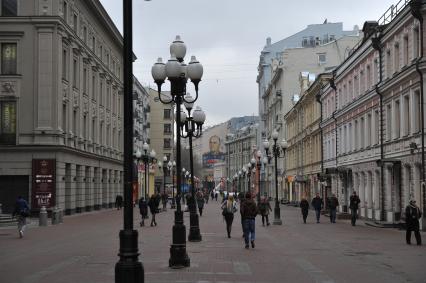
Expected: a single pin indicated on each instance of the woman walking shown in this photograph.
(200, 202)
(304, 206)
(264, 208)
(143, 210)
(153, 207)
(228, 210)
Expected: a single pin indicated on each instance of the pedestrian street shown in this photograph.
(84, 249)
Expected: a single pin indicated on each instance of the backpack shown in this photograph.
(25, 212)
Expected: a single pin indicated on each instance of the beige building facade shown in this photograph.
(61, 105)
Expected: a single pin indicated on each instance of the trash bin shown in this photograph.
(55, 216)
(42, 220)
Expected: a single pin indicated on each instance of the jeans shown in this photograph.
(229, 218)
(249, 230)
(22, 222)
(332, 215)
(354, 213)
(317, 214)
(265, 216)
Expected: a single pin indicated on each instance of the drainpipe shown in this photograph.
(333, 86)
(416, 12)
(375, 42)
(318, 97)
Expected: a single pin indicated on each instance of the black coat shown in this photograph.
(317, 203)
(143, 207)
(412, 216)
(153, 205)
(354, 202)
(304, 206)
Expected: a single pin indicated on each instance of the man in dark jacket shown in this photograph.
(353, 205)
(118, 202)
(249, 211)
(317, 205)
(412, 216)
(153, 207)
(23, 211)
(143, 210)
(304, 206)
(333, 203)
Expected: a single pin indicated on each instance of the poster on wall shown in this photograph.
(43, 188)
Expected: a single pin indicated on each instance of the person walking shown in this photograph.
(200, 202)
(22, 210)
(216, 195)
(412, 216)
(317, 205)
(304, 206)
(206, 196)
(333, 203)
(228, 210)
(241, 199)
(265, 208)
(353, 205)
(118, 202)
(164, 198)
(143, 210)
(249, 212)
(153, 208)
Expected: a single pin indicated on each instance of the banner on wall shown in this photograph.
(43, 183)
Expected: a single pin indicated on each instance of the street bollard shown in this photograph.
(42, 220)
(61, 215)
(55, 216)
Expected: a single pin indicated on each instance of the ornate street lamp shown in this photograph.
(276, 151)
(165, 167)
(147, 160)
(171, 166)
(178, 73)
(244, 178)
(259, 166)
(192, 125)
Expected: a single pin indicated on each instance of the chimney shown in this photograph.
(268, 41)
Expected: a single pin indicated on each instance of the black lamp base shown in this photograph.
(277, 216)
(128, 268)
(194, 228)
(178, 256)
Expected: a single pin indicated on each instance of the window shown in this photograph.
(85, 127)
(167, 128)
(360, 133)
(93, 43)
(322, 59)
(416, 42)
(356, 135)
(7, 122)
(388, 63)
(416, 113)
(64, 118)
(74, 122)
(8, 59)
(376, 126)
(64, 64)
(369, 130)
(75, 73)
(397, 113)
(93, 87)
(388, 122)
(85, 34)
(167, 143)
(93, 129)
(368, 77)
(406, 113)
(65, 10)
(9, 8)
(167, 113)
(74, 22)
(108, 95)
(406, 50)
(85, 80)
(101, 91)
(396, 57)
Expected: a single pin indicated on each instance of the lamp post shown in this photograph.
(171, 165)
(192, 125)
(183, 184)
(128, 269)
(251, 166)
(178, 73)
(165, 167)
(259, 166)
(244, 177)
(239, 180)
(276, 151)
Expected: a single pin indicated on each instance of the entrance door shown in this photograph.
(12, 186)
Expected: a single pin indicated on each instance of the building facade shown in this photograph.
(161, 136)
(61, 104)
(372, 117)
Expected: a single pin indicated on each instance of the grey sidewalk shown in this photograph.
(84, 249)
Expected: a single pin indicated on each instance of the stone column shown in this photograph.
(88, 177)
(79, 193)
(388, 194)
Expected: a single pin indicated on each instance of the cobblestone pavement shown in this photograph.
(84, 249)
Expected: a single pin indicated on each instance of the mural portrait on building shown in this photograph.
(214, 155)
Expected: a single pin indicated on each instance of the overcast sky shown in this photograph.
(227, 37)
